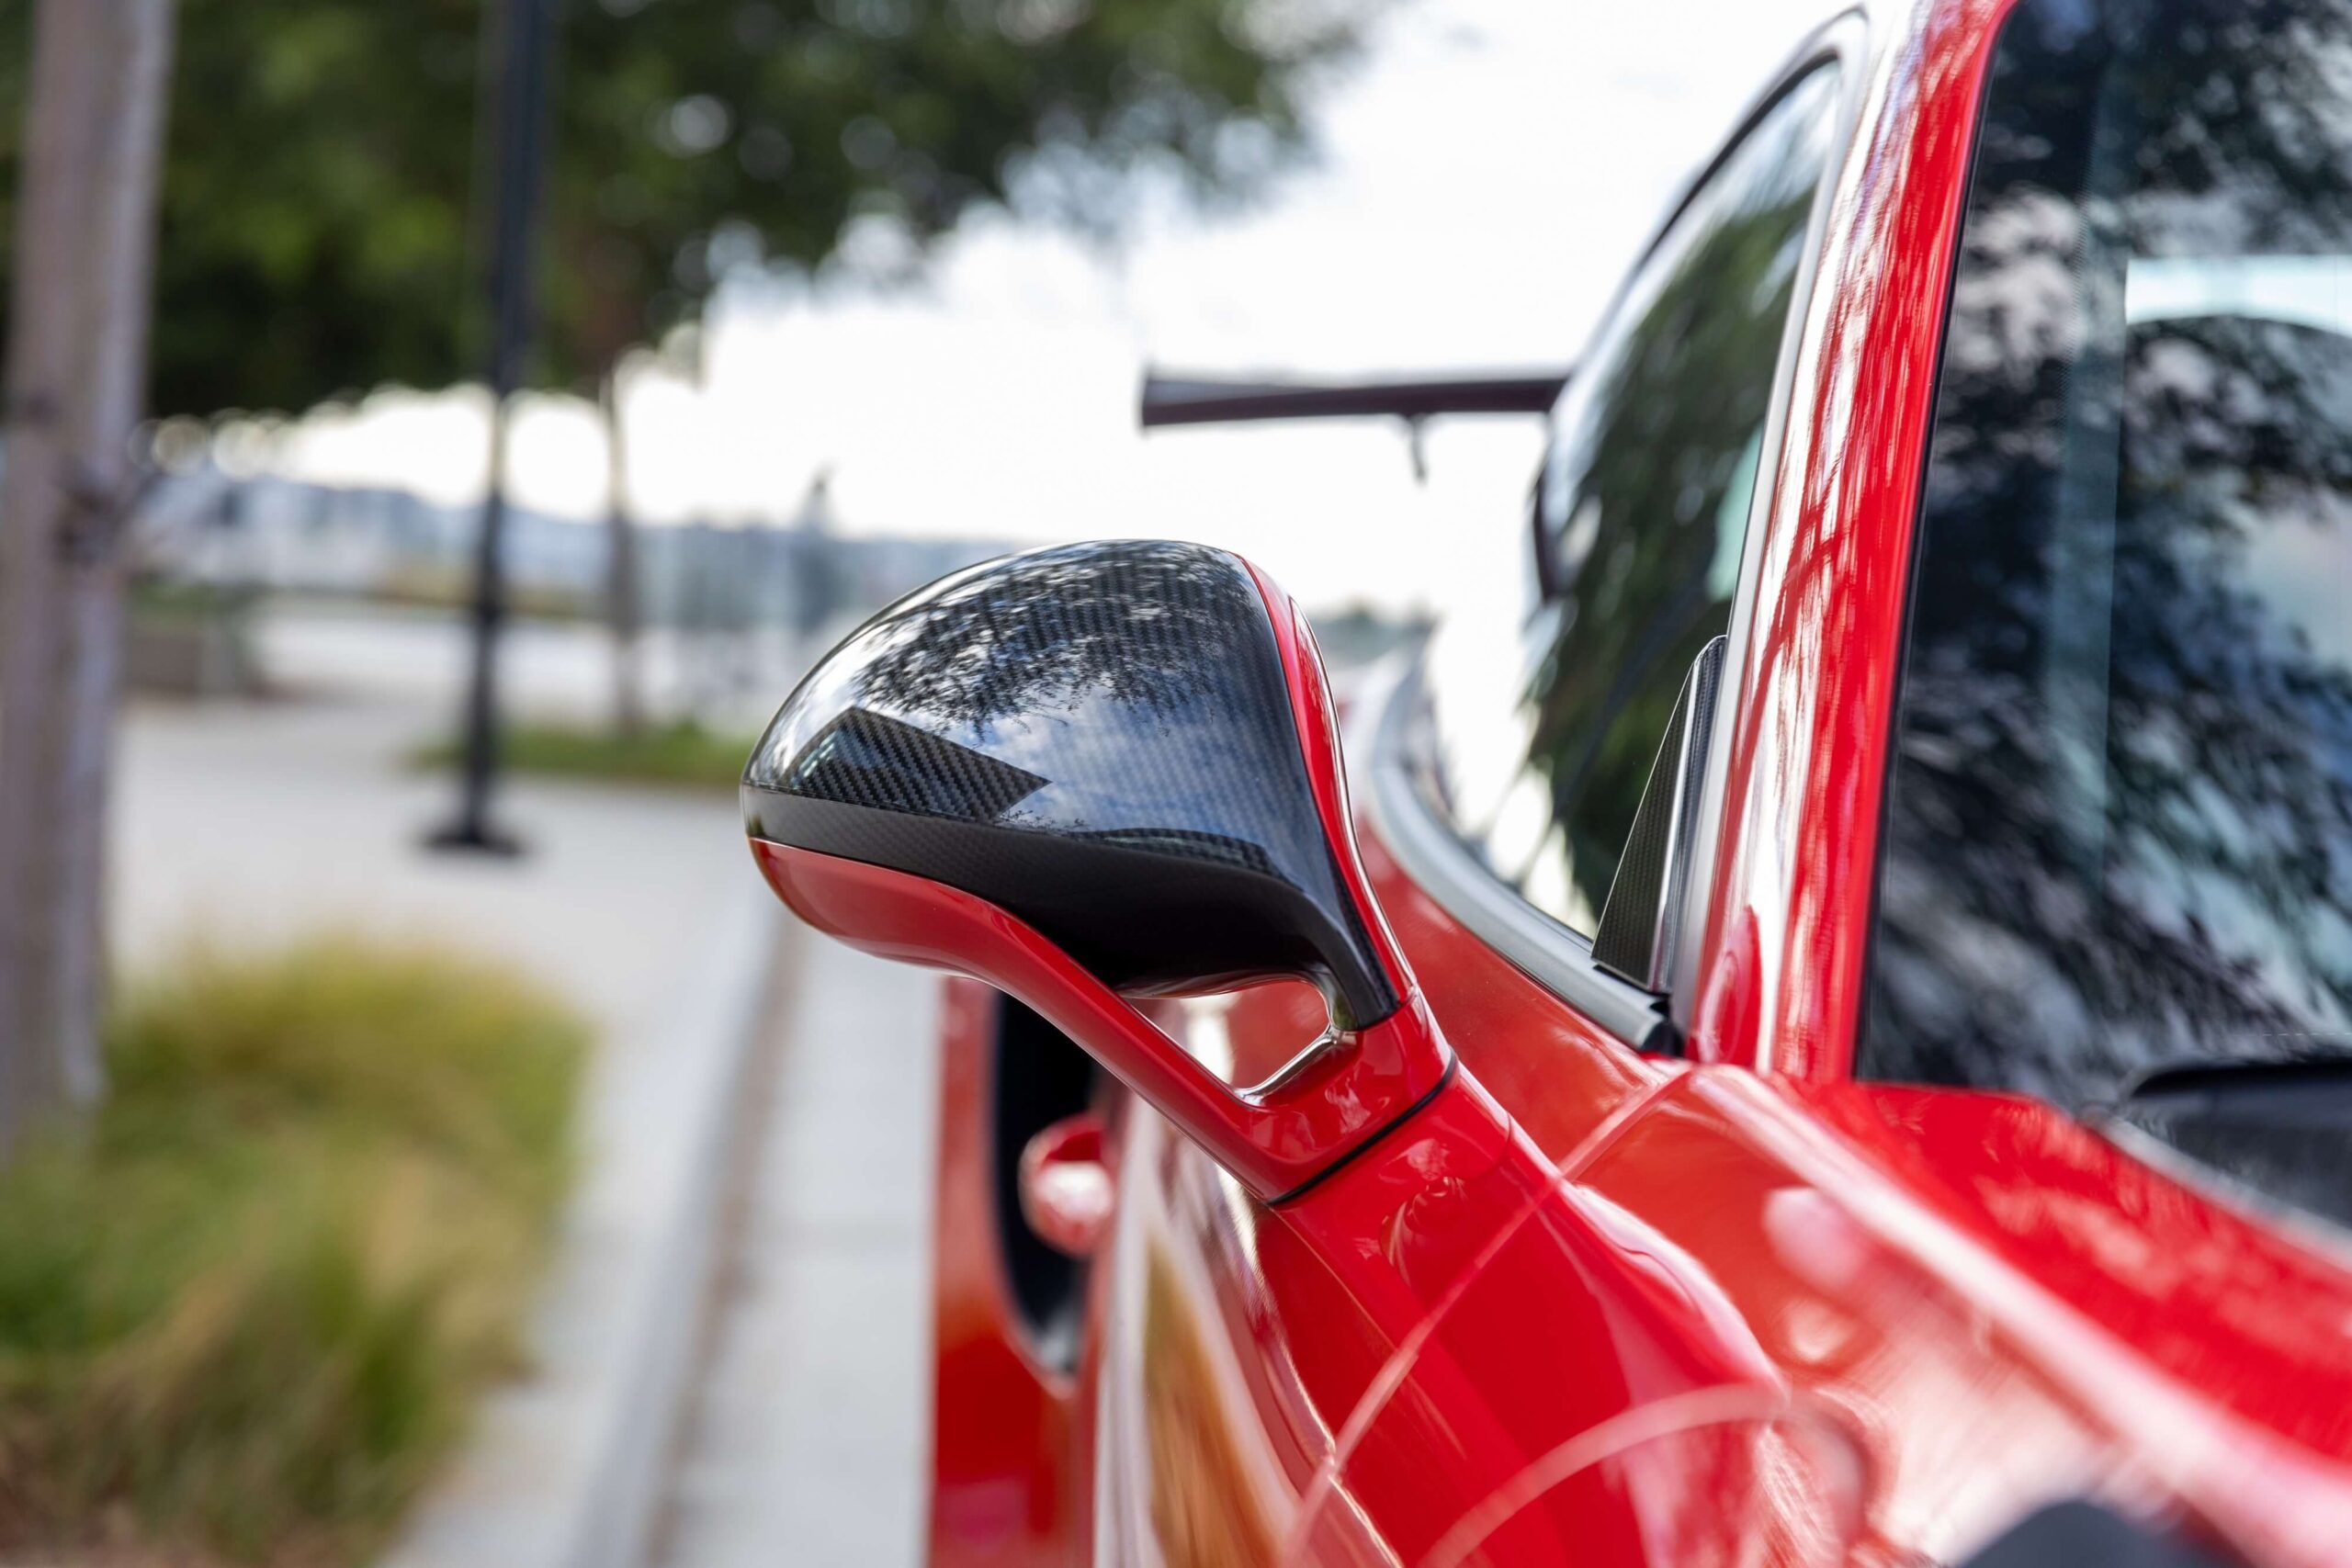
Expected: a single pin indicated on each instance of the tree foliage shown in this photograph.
(317, 229)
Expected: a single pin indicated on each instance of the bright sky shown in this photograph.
(1485, 172)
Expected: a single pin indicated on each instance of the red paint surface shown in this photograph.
(1815, 695)
(1316, 720)
(1004, 1430)
(1276, 1140)
(1067, 1190)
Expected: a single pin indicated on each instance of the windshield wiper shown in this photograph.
(2317, 1091)
(2283, 1129)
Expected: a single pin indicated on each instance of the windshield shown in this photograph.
(2119, 836)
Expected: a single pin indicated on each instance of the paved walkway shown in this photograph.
(248, 822)
(810, 1443)
(237, 821)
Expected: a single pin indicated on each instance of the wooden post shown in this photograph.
(76, 381)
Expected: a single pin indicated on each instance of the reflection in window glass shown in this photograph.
(1642, 511)
(2119, 827)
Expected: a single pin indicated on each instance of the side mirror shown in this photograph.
(1094, 773)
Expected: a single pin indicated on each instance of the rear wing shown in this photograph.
(1203, 399)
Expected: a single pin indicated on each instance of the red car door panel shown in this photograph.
(1999, 1331)
(1227, 1355)
(1759, 1326)
(2203, 1291)
(1679, 1327)
(1581, 1328)
(1002, 1494)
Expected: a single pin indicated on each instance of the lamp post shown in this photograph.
(523, 66)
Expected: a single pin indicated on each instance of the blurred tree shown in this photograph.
(316, 240)
(93, 133)
(315, 228)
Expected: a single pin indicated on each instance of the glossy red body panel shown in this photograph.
(1067, 1189)
(1788, 1272)
(1004, 1492)
(1816, 690)
(1587, 1307)
(1275, 1139)
(1318, 722)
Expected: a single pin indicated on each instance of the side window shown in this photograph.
(1641, 513)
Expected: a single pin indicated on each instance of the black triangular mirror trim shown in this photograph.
(1642, 919)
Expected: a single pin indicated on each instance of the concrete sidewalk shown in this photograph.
(244, 824)
(810, 1440)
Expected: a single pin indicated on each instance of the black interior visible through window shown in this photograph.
(1041, 1076)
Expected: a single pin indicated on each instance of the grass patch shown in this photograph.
(244, 1309)
(683, 753)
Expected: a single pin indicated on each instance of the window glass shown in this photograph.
(1544, 749)
(2119, 834)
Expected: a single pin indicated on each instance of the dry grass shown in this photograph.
(244, 1312)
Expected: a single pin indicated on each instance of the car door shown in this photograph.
(1249, 1402)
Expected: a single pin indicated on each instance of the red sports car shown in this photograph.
(1825, 1036)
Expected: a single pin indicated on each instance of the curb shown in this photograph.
(566, 1468)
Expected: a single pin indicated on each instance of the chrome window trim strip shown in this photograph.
(1448, 871)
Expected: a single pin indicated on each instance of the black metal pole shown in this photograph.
(522, 111)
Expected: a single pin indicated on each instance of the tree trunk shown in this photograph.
(622, 604)
(76, 371)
